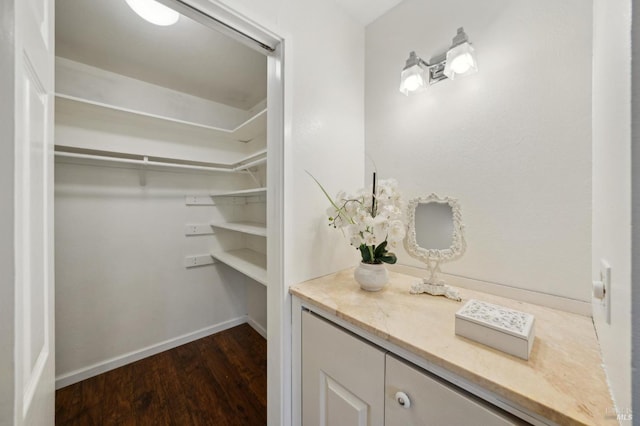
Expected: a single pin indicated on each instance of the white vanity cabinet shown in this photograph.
(348, 381)
(447, 379)
(413, 397)
(342, 377)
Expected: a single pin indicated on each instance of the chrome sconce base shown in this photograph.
(459, 60)
(436, 72)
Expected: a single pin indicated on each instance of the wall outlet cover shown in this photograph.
(199, 200)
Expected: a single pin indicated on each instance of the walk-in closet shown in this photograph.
(160, 186)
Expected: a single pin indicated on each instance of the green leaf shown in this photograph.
(366, 255)
(389, 258)
(380, 250)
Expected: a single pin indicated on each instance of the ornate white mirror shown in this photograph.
(434, 235)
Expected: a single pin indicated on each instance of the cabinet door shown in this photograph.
(342, 377)
(433, 402)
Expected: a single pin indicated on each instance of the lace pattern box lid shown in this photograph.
(502, 328)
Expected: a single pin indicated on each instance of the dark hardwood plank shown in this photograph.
(149, 401)
(206, 404)
(170, 388)
(69, 403)
(234, 383)
(117, 404)
(218, 380)
(246, 365)
(255, 361)
(68, 399)
(93, 391)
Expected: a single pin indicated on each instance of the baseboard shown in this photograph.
(257, 327)
(113, 363)
(556, 302)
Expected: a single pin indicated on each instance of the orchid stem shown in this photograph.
(373, 199)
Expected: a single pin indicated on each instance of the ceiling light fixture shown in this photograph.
(154, 12)
(460, 60)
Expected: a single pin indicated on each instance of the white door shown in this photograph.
(342, 377)
(34, 310)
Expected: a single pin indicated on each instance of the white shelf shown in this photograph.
(249, 262)
(242, 193)
(245, 132)
(253, 127)
(144, 160)
(252, 156)
(252, 228)
(251, 160)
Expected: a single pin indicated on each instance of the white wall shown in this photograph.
(7, 181)
(257, 306)
(120, 281)
(612, 186)
(512, 143)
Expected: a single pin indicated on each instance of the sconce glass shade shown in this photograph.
(413, 78)
(154, 12)
(461, 61)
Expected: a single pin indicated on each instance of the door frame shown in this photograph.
(7, 214)
(278, 154)
(247, 29)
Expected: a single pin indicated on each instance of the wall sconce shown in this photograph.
(460, 60)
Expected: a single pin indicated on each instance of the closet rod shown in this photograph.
(144, 162)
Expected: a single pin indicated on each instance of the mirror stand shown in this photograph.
(434, 286)
(434, 235)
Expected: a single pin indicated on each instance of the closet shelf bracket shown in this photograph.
(247, 166)
(254, 177)
(143, 171)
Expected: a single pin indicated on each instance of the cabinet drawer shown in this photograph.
(434, 402)
(342, 377)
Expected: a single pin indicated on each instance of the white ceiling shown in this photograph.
(367, 11)
(187, 56)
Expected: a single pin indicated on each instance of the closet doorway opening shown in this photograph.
(168, 186)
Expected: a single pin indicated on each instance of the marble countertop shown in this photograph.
(563, 380)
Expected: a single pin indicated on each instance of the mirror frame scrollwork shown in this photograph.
(458, 245)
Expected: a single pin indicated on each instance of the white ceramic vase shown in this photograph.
(371, 277)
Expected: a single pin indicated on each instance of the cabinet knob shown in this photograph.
(403, 399)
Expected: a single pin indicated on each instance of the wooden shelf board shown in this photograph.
(247, 261)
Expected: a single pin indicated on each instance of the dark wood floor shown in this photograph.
(217, 380)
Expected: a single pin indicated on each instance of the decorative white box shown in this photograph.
(501, 328)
